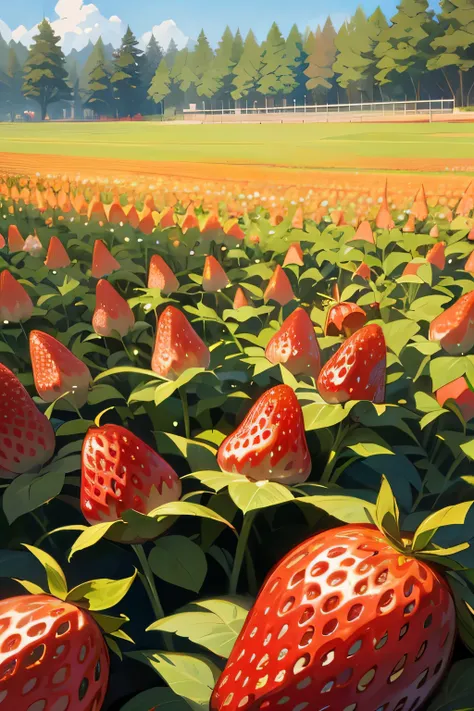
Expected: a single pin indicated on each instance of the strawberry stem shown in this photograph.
(184, 402)
(148, 581)
(240, 551)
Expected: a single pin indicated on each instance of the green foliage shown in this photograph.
(127, 76)
(276, 75)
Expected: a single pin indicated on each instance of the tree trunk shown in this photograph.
(449, 85)
(461, 86)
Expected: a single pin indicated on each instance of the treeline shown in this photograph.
(417, 54)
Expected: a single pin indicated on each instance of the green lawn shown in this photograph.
(296, 146)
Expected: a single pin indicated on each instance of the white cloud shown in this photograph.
(5, 31)
(164, 33)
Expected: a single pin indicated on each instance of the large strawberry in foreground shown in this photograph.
(26, 436)
(296, 346)
(454, 328)
(53, 656)
(270, 443)
(120, 472)
(345, 622)
(177, 346)
(357, 370)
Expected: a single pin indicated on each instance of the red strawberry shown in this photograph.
(57, 371)
(384, 219)
(214, 277)
(294, 255)
(454, 328)
(15, 240)
(279, 288)
(121, 472)
(364, 233)
(96, 210)
(459, 391)
(344, 317)
(419, 209)
(362, 271)
(466, 203)
(112, 312)
(469, 266)
(296, 346)
(57, 257)
(26, 435)
(343, 623)
(53, 656)
(147, 224)
(167, 218)
(160, 276)
(103, 262)
(15, 304)
(133, 217)
(410, 224)
(270, 443)
(177, 346)
(357, 370)
(117, 214)
(240, 299)
(436, 255)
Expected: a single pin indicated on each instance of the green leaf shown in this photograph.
(343, 507)
(250, 496)
(56, 579)
(179, 561)
(216, 630)
(108, 623)
(100, 594)
(165, 390)
(398, 333)
(30, 491)
(468, 448)
(160, 698)
(192, 677)
(32, 588)
(122, 369)
(184, 508)
(91, 535)
(103, 392)
(449, 516)
(74, 427)
(318, 416)
(446, 369)
(216, 480)
(387, 516)
(457, 690)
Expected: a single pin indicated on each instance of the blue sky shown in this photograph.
(191, 15)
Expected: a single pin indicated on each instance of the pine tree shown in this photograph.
(204, 67)
(74, 83)
(246, 73)
(97, 56)
(171, 52)
(160, 86)
(45, 74)
(182, 76)
(276, 75)
(320, 62)
(297, 59)
(237, 48)
(14, 82)
(404, 47)
(224, 63)
(127, 76)
(456, 42)
(101, 98)
(153, 57)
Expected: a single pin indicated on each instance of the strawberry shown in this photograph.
(384, 219)
(147, 223)
(364, 233)
(15, 240)
(15, 304)
(436, 256)
(57, 257)
(454, 328)
(296, 346)
(344, 317)
(279, 288)
(410, 224)
(160, 276)
(32, 245)
(466, 203)
(177, 346)
(240, 299)
(2, 241)
(434, 232)
(362, 271)
(26, 435)
(167, 218)
(343, 623)
(112, 312)
(133, 217)
(214, 277)
(294, 255)
(459, 391)
(469, 266)
(357, 370)
(96, 210)
(117, 214)
(270, 443)
(57, 371)
(53, 656)
(120, 472)
(419, 209)
(103, 262)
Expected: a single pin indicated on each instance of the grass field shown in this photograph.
(382, 147)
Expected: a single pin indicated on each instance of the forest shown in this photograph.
(416, 54)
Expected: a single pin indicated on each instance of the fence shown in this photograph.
(427, 109)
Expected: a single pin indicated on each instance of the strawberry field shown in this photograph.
(236, 447)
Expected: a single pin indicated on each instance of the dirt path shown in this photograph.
(401, 174)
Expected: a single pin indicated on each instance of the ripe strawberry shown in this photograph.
(167, 218)
(57, 371)
(344, 317)
(177, 346)
(436, 255)
(121, 472)
(454, 328)
(459, 391)
(53, 656)
(57, 257)
(362, 271)
(343, 622)
(469, 266)
(279, 288)
(357, 370)
(294, 255)
(26, 436)
(15, 240)
(214, 277)
(419, 209)
(117, 214)
(103, 262)
(240, 299)
(133, 217)
(270, 443)
(296, 346)
(96, 210)
(15, 304)
(410, 224)
(161, 277)
(112, 312)
(364, 233)
(384, 219)
(147, 223)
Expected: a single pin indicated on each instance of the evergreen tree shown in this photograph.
(237, 48)
(160, 86)
(101, 98)
(224, 63)
(74, 83)
(456, 42)
(246, 73)
(45, 75)
(14, 82)
(127, 76)
(404, 47)
(182, 76)
(204, 67)
(171, 52)
(276, 74)
(97, 56)
(297, 60)
(320, 62)
(153, 57)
